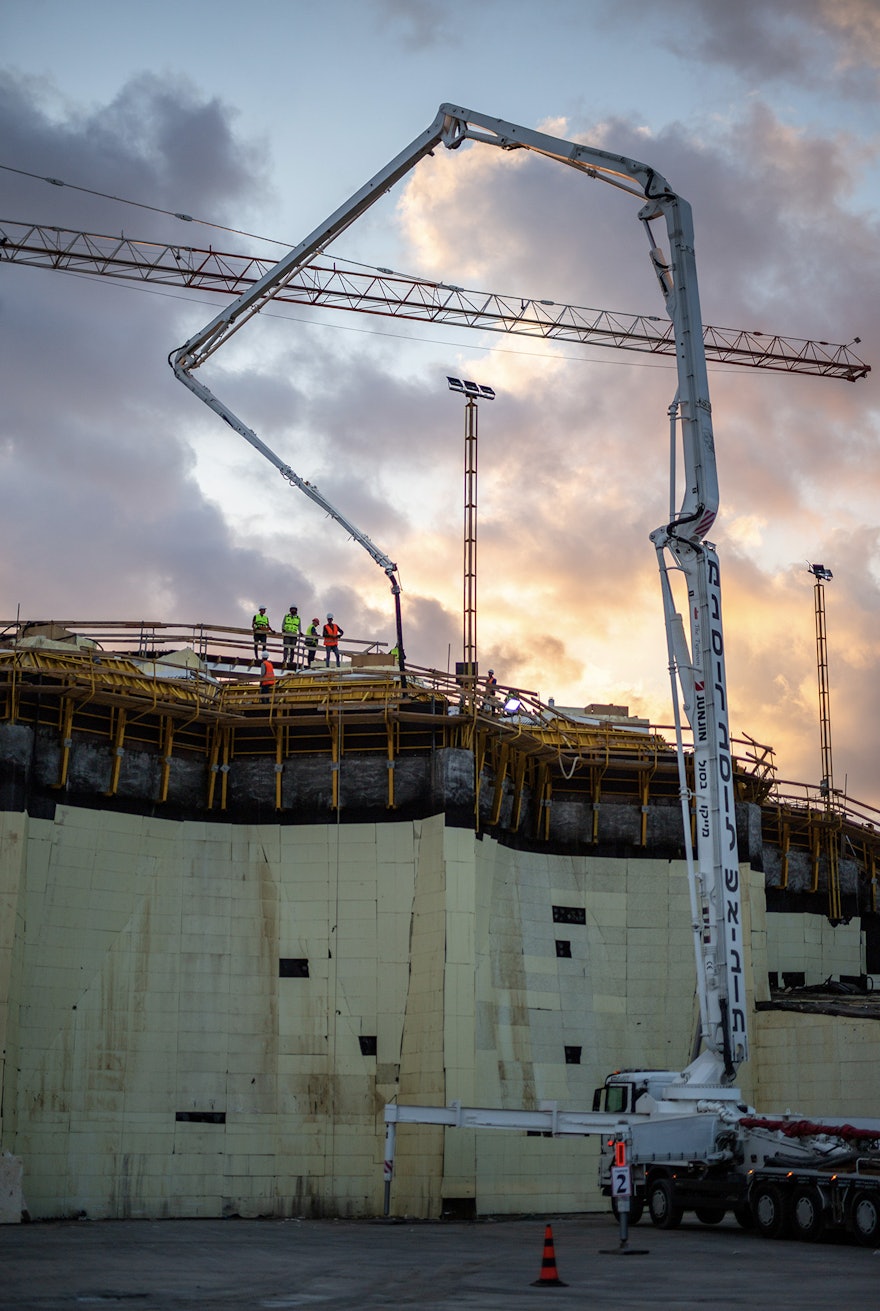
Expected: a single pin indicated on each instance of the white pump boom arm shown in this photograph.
(701, 673)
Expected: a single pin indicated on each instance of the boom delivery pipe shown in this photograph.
(701, 671)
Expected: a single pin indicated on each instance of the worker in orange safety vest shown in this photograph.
(332, 634)
(267, 678)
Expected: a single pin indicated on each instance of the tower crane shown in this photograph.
(416, 300)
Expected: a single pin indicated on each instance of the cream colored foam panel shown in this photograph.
(156, 1062)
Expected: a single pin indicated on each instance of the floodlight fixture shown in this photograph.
(512, 705)
(820, 572)
(472, 390)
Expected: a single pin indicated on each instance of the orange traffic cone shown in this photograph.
(549, 1277)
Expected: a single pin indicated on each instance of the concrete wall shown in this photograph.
(160, 1060)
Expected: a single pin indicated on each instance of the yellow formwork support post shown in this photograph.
(834, 903)
(815, 853)
(595, 792)
(335, 752)
(118, 752)
(224, 769)
(391, 731)
(479, 748)
(500, 775)
(543, 801)
(213, 764)
(519, 778)
(785, 849)
(66, 740)
(167, 749)
(644, 794)
(279, 765)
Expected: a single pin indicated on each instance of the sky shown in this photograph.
(123, 497)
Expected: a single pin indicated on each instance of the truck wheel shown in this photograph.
(769, 1210)
(743, 1216)
(664, 1207)
(864, 1217)
(808, 1214)
(709, 1215)
(636, 1209)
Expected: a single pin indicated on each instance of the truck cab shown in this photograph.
(623, 1091)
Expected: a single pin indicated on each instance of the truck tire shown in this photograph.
(636, 1209)
(743, 1215)
(710, 1215)
(664, 1207)
(808, 1214)
(770, 1210)
(864, 1217)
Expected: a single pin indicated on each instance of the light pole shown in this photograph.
(826, 784)
(473, 393)
(823, 575)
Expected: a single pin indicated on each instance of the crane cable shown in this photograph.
(140, 204)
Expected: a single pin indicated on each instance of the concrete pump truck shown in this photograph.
(672, 1140)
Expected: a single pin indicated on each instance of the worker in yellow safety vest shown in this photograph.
(261, 628)
(290, 627)
(311, 641)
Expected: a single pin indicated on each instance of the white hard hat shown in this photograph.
(491, 671)
(330, 616)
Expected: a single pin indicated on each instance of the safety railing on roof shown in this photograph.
(148, 639)
(814, 801)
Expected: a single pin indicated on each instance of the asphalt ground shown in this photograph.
(252, 1265)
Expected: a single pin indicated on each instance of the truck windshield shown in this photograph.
(617, 1098)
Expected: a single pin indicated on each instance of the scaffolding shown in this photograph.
(107, 683)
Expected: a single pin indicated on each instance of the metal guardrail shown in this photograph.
(148, 638)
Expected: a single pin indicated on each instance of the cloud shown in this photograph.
(419, 24)
(835, 43)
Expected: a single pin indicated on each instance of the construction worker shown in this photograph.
(490, 704)
(332, 633)
(311, 641)
(267, 678)
(290, 627)
(262, 628)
